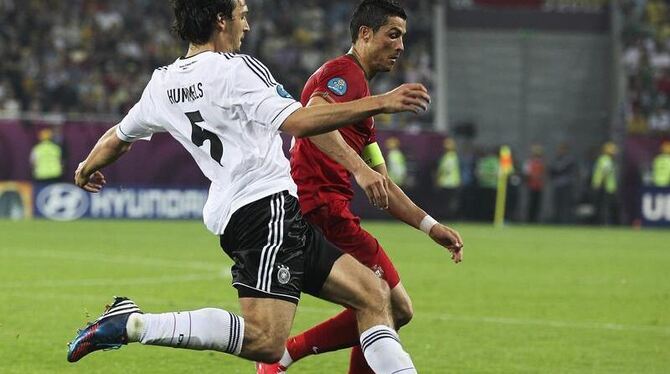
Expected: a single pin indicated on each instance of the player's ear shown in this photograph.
(221, 22)
(365, 33)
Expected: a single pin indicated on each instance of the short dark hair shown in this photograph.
(195, 19)
(374, 14)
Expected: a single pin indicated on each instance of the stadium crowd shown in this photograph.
(646, 60)
(94, 56)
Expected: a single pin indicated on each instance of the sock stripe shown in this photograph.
(368, 341)
(235, 329)
(230, 332)
(375, 334)
(174, 327)
(190, 324)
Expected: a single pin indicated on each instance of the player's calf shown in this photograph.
(262, 346)
(401, 307)
(268, 325)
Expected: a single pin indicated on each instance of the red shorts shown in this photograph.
(342, 228)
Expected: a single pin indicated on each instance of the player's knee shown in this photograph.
(403, 313)
(378, 295)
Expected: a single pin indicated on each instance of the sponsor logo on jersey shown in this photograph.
(283, 93)
(338, 86)
(283, 274)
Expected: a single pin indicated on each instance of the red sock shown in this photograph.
(334, 334)
(357, 362)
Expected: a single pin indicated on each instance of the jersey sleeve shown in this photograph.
(340, 84)
(373, 135)
(264, 101)
(138, 123)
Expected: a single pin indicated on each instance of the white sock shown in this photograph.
(383, 352)
(204, 329)
(286, 359)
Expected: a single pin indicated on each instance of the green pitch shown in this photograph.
(525, 300)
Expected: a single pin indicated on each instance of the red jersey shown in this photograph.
(319, 178)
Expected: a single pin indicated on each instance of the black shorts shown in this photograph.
(277, 254)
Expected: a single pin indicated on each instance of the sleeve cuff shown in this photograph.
(284, 114)
(127, 138)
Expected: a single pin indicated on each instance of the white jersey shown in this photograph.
(226, 110)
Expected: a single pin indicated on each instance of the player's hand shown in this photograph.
(90, 183)
(409, 97)
(449, 239)
(375, 186)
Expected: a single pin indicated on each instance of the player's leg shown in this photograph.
(402, 314)
(353, 285)
(123, 323)
(264, 240)
(269, 323)
(259, 334)
(343, 229)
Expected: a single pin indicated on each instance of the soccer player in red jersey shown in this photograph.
(322, 166)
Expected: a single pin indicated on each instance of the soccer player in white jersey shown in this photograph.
(227, 110)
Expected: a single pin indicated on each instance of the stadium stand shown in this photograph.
(93, 56)
(646, 59)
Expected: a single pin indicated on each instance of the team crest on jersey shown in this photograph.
(338, 86)
(283, 93)
(283, 274)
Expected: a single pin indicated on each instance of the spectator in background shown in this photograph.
(563, 171)
(395, 162)
(469, 190)
(487, 178)
(533, 171)
(449, 179)
(661, 166)
(604, 185)
(46, 159)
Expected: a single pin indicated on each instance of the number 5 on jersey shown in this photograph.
(199, 135)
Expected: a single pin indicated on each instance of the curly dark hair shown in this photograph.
(374, 14)
(195, 19)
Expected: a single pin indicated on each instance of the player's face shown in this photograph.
(238, 25)
(387, 44)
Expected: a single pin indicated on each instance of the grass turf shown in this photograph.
(525, 300)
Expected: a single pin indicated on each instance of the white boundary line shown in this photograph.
(224, 273)
(61, 283)
(117, 259)
(602, 326)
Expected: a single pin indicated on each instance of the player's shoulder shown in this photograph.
(241, 59)
(342, 64)
(250, 66)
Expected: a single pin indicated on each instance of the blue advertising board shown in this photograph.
(655, 206)
(67, 202)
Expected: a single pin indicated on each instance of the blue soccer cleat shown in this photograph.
(106, 332)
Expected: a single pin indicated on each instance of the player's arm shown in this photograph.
(334, 145)
(320, 119)
(107, 150)
(404, 209)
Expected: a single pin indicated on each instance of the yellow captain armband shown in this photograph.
(372, 155)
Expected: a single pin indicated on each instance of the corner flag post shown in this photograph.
(505, 169)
